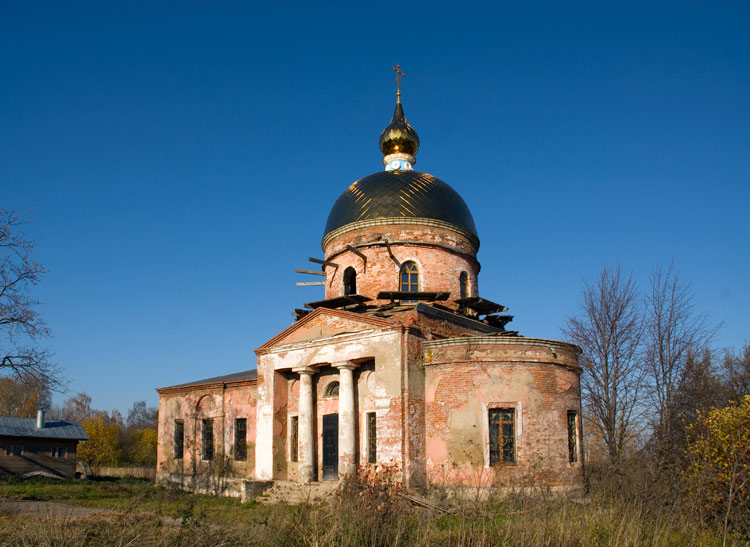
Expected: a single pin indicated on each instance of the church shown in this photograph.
(402, 366)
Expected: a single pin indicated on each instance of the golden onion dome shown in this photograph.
(399, 137)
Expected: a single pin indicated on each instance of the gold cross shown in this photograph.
(399, 75)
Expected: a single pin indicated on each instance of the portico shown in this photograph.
(347, 421)
(303, 422)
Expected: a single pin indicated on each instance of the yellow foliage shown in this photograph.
(718, 472)
(142, 447)
(102, 447)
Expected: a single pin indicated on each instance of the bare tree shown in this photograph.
(673, 331)
(141, 416)
(22, 397)
(21, 327)
(608, 329)
(736, 371)
(77, 408)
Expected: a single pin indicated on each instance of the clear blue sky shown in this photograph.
(179, 159)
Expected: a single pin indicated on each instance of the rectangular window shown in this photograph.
(14, 450)
(207, 440)
(372, 438)
(294, 436)
(572, 437)
(240, 439)
(59, 451)
(179, 438)
(502, 435)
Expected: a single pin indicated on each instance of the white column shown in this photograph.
(347, 419)
(305, 434)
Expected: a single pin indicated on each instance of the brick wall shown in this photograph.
(220, 402)
(539, 379)
(439, 268)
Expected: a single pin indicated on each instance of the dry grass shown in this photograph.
(364, 513)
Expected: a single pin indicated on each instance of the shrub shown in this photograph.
(718, 472)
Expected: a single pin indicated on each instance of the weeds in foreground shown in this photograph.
(368, 510)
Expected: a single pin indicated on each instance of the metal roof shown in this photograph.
(26, 427)
(244, 375)
(400, 194)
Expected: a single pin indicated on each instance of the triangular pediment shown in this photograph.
(323, 323)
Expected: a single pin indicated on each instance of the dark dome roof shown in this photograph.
(405, 194)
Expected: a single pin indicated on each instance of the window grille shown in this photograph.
(502, 435)
(179, 438)
(240, 439)
(372, 438)
(332, 389)
(293, 441)
(207, 440)
(572, 437)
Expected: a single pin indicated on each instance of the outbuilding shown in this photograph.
(31, 446)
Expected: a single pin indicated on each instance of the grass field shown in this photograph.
(361, 515)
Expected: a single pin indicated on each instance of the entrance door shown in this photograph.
(330, 446)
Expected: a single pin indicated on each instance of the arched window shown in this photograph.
(463, 284)
(350, 281)
(332, 389)
(408, 280)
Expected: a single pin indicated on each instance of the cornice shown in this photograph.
(390, 221)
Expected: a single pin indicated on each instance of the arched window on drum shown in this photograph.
(350, 281)
(463, 285)
(408, 280)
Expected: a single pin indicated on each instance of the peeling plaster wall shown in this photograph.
(431, 396)
(192, 404)
(382, 394)
(464, 378)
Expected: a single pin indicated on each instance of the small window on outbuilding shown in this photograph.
(207, 440)
(350, 281)
(178, 439)
(408, 280)
(59, 452)
(332, 389)
(463, 283)
(14, 450)
(240, 439)
(502, 435)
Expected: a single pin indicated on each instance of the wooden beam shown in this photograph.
(360, 255)
(311, 283)
(310, 272)
(323, 262)
(390, 253)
